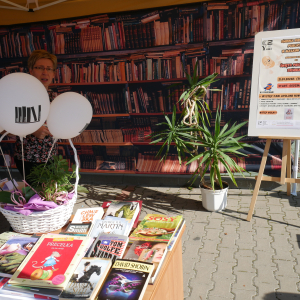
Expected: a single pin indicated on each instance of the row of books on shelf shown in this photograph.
(138, 134)
(204, 22)
(150, 66)
(233, 96)
(103, 253)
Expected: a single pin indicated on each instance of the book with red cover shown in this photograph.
(51, 262)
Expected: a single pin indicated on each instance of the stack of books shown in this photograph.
(94, 257)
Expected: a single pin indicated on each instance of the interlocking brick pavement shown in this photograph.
(224, 256)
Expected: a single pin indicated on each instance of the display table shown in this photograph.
(169, 281)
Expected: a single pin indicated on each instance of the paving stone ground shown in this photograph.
(224, 256)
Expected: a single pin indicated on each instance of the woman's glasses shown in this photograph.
(42, 68)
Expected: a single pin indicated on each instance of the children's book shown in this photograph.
(152, 252)
(110, 246)
(155, 227)
(127, 279)
(84, 215)
(13, 252)
(51, 262)
(87, 279)
(128, 210)
(78, 229)
(110, 225)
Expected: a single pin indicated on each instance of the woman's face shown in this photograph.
(43, 71)
(160, 249)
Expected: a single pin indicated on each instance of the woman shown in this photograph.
(41, 65)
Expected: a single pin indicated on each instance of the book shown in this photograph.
(51, 261)
(110, 246)
(86, 279)
(17, 295)
(126, 280)
(152, 252)
(78, 229)
(32, 291)
(128, 210)
(175, 236)
(110, 225)
(156, 227)
(83, 215)
(5, 236)
(13, 252)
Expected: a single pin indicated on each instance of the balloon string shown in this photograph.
(21, 138)
(55, 140)
(77, 167)
(6, 162)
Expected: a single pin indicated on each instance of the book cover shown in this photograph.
(88, 214)
(13, 252)
(151, 252)
(110, 246)
(156, 227)
(87, 279)
(51, 261)
(123, 209)
(5, 236)
(77, 229)
(110, 225)
(126, 280)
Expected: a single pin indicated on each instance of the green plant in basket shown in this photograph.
(53, 178)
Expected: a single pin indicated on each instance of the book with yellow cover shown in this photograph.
(156, 227)
(52, 261)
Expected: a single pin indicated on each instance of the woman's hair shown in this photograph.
(87, 263)
(38, 54)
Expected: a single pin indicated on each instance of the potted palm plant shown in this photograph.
(194, 140)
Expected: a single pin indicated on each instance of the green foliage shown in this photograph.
(188, 138)
(218, 147)
(52, 178)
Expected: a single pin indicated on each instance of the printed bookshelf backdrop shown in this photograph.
(124, 64)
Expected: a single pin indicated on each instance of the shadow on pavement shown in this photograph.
(281, 296)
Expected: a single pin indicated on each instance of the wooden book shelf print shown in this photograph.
(286, 173)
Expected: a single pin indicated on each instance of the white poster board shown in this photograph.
(275, 90)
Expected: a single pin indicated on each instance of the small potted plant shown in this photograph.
(192, 131)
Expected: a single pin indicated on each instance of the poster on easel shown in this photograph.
(275, 92)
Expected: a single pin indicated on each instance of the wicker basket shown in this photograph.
(40, 222)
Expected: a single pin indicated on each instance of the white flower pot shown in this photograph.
(214, 200)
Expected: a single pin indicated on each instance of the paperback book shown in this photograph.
(51, 262)
(155, 227)
(78, 229)
(128, 210)
(13, 252)
(126, 280)
(87, 279)
(5, 236)
(110, 225)
(86, 215)
(151, 252)
(110, 246)
(107, 204)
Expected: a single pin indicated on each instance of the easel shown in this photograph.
(285, 176)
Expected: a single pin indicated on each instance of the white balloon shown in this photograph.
(70, 113)
(24, 103)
